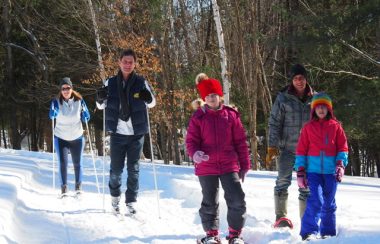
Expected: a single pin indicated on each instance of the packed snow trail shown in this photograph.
(30, 211)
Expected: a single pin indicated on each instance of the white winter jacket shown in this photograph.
(68, 122)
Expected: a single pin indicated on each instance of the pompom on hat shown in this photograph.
(207, 86)
(321, 98)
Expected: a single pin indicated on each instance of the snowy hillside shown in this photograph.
(30, 211)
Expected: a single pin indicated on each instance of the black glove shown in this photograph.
(144, 95)
(102, 94)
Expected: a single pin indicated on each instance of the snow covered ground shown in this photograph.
(30, 211)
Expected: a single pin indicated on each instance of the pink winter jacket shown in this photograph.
(221, 136)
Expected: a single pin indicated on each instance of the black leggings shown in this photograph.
(76, 149)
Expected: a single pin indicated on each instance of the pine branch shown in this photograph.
(331, 32)
(345, 72)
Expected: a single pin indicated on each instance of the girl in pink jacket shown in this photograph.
(216, 141)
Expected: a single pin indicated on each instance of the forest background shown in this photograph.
(253, 49)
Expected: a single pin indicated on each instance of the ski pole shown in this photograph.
(153, 164)
(104, 154)
(93, 159)
(52, 131)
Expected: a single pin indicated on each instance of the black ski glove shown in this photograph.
(144, 95)
(102, 94)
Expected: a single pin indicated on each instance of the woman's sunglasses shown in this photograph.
(66, 89)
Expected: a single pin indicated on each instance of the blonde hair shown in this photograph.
(200, 77)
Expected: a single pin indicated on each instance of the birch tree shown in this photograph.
(97, 40)
(222, 51)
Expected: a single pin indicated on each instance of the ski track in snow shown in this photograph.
(30, 211)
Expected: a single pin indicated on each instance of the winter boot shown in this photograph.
(302, 207)
(210, 238)
(115, 204)
(131, 208)
(78, 188)
(63, 189)
(281, 209)
(234, 236)
(309, 237)
(326, 236)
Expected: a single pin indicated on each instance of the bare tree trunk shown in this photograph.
(377, 162)
(355, 158)
(3, 133)
(9, 79)
(97, 40)
(164, 143)
(49, 138)
(208, 38)
(33, 130)
(222, 51)
(177, 154)
(41, 132)
(99, 139)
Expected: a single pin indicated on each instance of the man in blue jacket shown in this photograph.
(125, 97)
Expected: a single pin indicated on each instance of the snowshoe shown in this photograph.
(309, 237)
(326, 236)
(235, 240)
(210, 240)
(283, 222)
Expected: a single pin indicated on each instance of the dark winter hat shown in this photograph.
(207, 86)
(66, 81)
(298, 69)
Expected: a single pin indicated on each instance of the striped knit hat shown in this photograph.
(322, 98)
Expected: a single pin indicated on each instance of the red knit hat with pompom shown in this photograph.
(207, 86)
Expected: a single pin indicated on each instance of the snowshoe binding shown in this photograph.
(235, 240)
(209, 240)
(283, 222)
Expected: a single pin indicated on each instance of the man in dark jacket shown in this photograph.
(125, 97)
(290, 111)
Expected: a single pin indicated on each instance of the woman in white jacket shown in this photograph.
(69, 110)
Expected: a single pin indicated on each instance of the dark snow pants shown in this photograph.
(320, 205)
(285, 166)
(76, 149)
(120, 147)
(234, 196)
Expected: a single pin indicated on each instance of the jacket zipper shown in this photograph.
(217, 142)
(322, 151)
